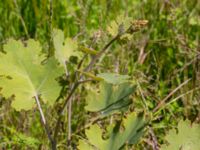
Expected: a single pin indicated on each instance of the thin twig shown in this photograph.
(96, 57)
(153, 139)
(180, 96)
(162, 102)
(21, 19)
(50, 27)
(69, 122)
(87, 68)
(60, 113)
(70, 99)
(187, 64)
(143, 97)
(44, 122)
(51, 16)
(76, 84)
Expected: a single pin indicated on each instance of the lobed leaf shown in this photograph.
(133, 130)
(187, 138)
(23, 75)
(120, 24)
(64, 48)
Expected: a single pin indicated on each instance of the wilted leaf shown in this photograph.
(27, 77)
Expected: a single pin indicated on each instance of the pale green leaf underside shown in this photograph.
(114, 78)
(109, 98)
(187, 138)
(27, 77)
(64, 48)
(133, 130)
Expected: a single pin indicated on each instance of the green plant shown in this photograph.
(100, 73)
(128, 131)
(28, 77)
(185, 138)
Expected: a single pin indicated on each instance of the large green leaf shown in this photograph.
(133, 129)
(64, 48)
(187, 138)
(109, 98)
(23, 75)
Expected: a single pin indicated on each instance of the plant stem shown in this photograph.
(21, 18)
(60, 113)
(50, 28)
(153, 139)
(44, 122)
(77, 83)
(162, 102)
(96, 57)
(69, 122)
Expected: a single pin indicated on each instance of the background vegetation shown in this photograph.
(162, 59)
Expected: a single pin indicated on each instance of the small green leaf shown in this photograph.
(64, 48)
(121, 24)
(88, 50)
(27, 76)
(194, 20)
(109, 98)
(114, 78)
(133, 130)
(187, 138)
(113, 28)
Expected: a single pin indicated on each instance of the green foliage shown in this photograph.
(64, 48)
(187, 137)
(158, 58)
(88, 50)
(23, 75)
(21, 139)
(26, 141)
(109, 98)
(120, 25)
(113, 78)
(133, 129)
